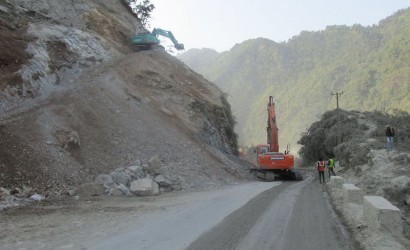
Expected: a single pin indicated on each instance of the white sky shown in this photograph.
(220, 24)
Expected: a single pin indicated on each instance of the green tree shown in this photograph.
(142, 9)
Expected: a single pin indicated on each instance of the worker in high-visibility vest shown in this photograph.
(321, 168)
(330, 166)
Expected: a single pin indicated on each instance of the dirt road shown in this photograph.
(258, 215)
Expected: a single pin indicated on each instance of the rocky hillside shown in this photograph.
(361, 155)
(76, 102)
(369, 64)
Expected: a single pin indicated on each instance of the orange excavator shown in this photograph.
(270, 162)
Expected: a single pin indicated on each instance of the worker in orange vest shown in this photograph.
(321, 168)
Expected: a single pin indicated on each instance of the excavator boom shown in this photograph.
(156, 32)
(272, 128)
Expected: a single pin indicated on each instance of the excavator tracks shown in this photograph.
(277, 174)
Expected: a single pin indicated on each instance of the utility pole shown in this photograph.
(337, 94)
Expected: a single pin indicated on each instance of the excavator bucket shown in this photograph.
(179, 46)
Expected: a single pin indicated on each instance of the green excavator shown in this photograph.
(145, 41)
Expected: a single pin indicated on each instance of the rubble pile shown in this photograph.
(139, 179)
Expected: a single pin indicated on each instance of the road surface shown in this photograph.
(288, 215)
(257, 215)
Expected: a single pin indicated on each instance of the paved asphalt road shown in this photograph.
(254, 216)
(293, 215)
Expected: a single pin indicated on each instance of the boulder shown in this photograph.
(104, 179)
(4, 193)
(16, 192)
(68, 192)
(116, 192)
(108, 189)
(159, 178)
(90, 189)
(162, 182)
(27, 192)
(407, 199)
(176, 186)
(165, 189)
(51, 195)
(401, 158)
(154, 165)
(402, 183)
(121, 178)
(4, 9)
(121, 169)
(137, 172)
(137, 163)
(144, 187)
(71, 140)
(123, 189)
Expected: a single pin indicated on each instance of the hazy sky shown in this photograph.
(220, 24)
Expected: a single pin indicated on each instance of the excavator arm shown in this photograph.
(272, 128)
(156, 32)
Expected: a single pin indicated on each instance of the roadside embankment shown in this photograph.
(373, 221)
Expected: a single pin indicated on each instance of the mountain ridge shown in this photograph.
(369, 64)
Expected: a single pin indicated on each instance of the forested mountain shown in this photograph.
(371, 65)
(206, 56)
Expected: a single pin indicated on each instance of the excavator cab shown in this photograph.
(144, 41)
(262, 149)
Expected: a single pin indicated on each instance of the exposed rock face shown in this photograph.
(61, 44)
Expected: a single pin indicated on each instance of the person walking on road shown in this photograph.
(389, 135)
(330, 166)
(321, 168)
